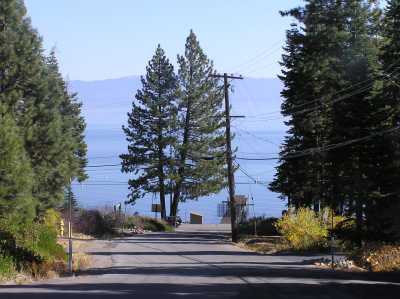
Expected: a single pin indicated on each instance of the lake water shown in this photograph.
(107, 186)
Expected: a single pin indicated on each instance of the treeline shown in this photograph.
(42, 144)
(175, 130)
(341, 75)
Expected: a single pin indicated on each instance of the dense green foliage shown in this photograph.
(42, 144)
(150, 130)
(342, 146)
(174, 131)
(200, 122)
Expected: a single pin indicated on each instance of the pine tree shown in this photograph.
(331, 56)
(290, 179)
(311, 73)
(384, 202)
(17, 206)
(21, 61)
(68, 193)
(36, 97)
(354, 117)
(150, 131)
(199, 152)
(74, 148)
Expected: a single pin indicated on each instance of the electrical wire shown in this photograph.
(314, 150)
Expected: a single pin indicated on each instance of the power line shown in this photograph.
(257, 159)
(249, 176)
(369, 81)
(253, 60)
(103, 165)
(255, 136)
(125, 184)
(293, 111)
(254, 69)
(314, 150)
(369, 85)
(104, 157)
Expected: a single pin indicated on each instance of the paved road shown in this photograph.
(201, 265)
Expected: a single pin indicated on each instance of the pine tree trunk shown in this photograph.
(181, 170)
(359, 220)
(162, 197)
(161, 185)
(161, 170)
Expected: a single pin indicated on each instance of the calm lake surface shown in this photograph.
(107, 186)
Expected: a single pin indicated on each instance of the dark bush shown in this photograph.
(94, 223)
(265, 226)
(21, 257)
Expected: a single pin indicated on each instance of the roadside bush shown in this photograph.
(45, 244)
(7, 267)
(33, 250)
(94, 223)
(378, 257)
(43, 238)
(303, 229)
(265, 226)
(147, 223)
(156, 225)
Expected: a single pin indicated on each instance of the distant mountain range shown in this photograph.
(106, 102)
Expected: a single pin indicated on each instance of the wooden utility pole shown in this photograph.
(231, 179)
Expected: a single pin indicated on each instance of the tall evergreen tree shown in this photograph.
(200, 122)
(74, 148)
(353, 118)
(150, 131)
(17, 206)
(35, 96)
(328, 72)
(384, 202)
(68, 193)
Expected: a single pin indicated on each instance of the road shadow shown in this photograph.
(200, 273)
(273, 290)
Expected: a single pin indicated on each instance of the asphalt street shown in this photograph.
(201, 264)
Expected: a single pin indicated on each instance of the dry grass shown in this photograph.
(379, 258)
(80, 259)
(265, 245)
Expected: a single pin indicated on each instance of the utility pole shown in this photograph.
(70, 229)
(231, 179)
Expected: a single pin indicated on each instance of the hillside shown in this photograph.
(106, 102)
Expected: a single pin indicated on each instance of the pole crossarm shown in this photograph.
(227, 76)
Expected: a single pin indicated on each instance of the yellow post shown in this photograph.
(62, 228)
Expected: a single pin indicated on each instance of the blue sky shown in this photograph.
(102, 39)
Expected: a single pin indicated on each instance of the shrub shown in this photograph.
(378, 257)
(156, 225)
(33, 248)
(304, 229)
(265, 226)
(147, 223)
(7, 267)
(94, 223)
(46, 245)
(44, 241)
